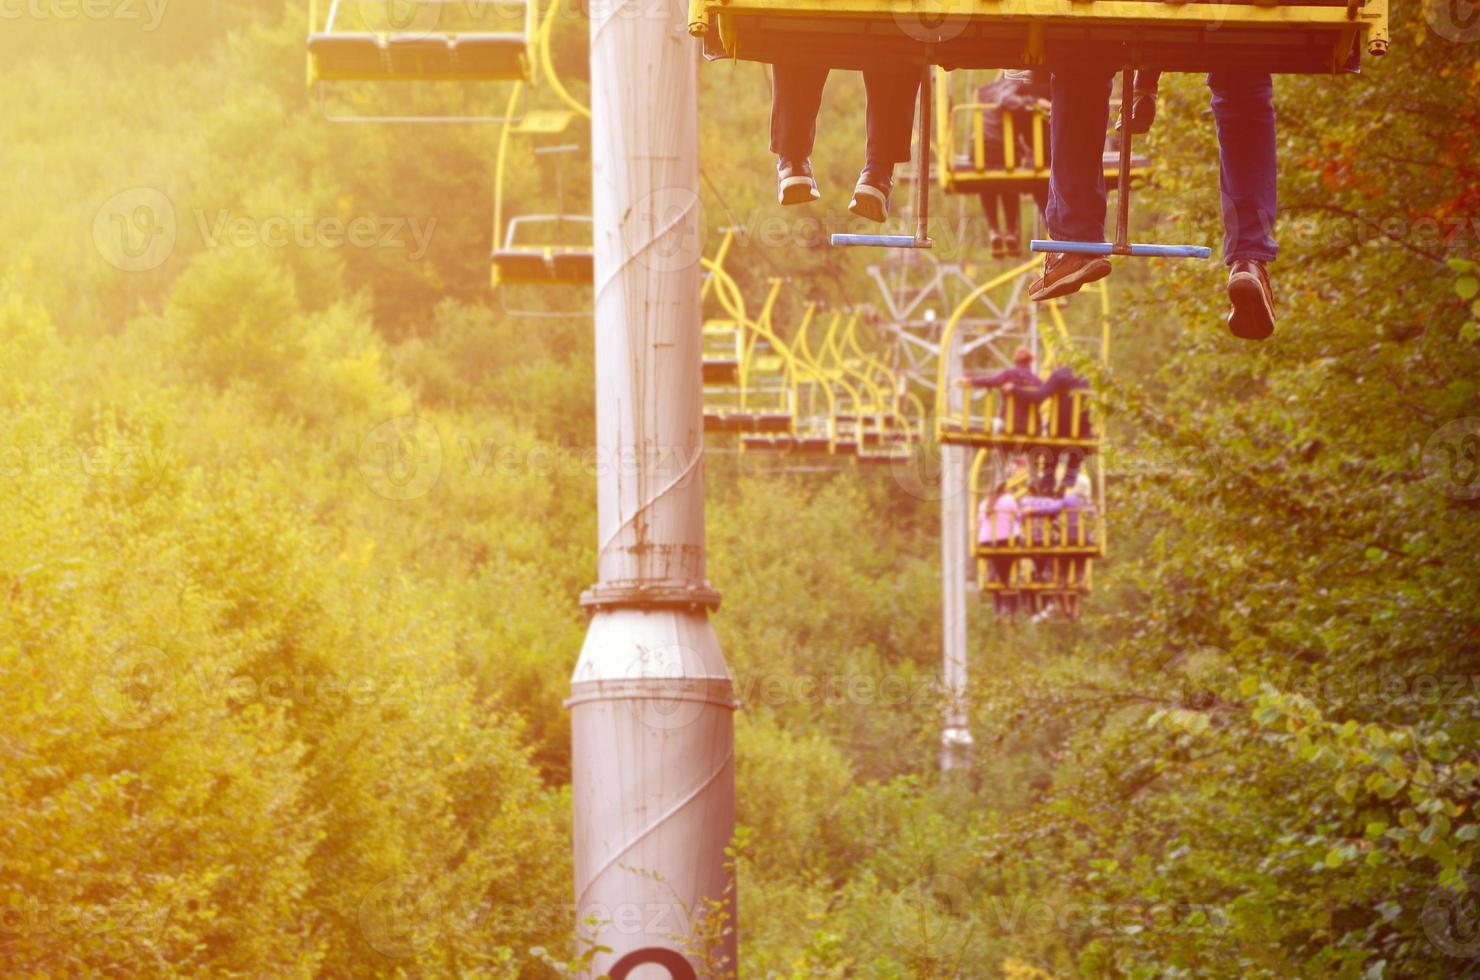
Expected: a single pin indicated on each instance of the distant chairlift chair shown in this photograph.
(549, 251)
(374, 45)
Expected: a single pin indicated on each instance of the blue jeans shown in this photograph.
(1243, 108)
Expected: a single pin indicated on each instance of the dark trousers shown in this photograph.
(1243, 109)
(796, 95)
(1072, 459)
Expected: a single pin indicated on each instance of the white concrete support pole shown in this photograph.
(955, 561)
(652, 703)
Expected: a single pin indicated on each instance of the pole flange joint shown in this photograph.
(692, 597)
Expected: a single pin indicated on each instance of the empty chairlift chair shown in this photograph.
(421, 41)
(532, 252)
(876, 424)
(549, 251)
(813, 398)
(748, 393)
(723, 342)
(441, 40)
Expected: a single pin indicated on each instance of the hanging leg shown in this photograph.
(1122, 244)
(921, 237)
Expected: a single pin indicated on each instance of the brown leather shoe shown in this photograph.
(1065, 272)
(1252, 316)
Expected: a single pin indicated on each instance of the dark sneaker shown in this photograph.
(794, 182)
(1252, 316)
(997, 244)
(1143, 112)
(871, 196)
(1065, 272)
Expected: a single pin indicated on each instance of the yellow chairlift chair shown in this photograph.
(994, 418)
(551, 252)
(969, 166)
(1288, 36)
(1050, 559)
(421, 41)
(751, 387)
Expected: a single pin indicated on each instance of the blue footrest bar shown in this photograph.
(882, 241)
(1105, 248)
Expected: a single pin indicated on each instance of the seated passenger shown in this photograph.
(1019, 376)
(1014, 92)
(1039, 509)
(796, 95)
(999, 524)
(1062, 384)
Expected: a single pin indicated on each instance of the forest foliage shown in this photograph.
(270, 705)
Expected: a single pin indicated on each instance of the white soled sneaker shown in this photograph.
(794, 182)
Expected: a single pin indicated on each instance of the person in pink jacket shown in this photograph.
(999, 523)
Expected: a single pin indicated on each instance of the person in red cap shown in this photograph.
(1020, 375)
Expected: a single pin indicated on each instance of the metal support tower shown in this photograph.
(652, 702)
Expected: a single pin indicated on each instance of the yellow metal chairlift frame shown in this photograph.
(731, 373)
(720, 363)
(420, 56)
(875, 427)
(814, 430)
(792, 426)
(516, 262)
(1288, 36)
(536, 263)
(848, 408)
(896, 434)
(750, 411)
